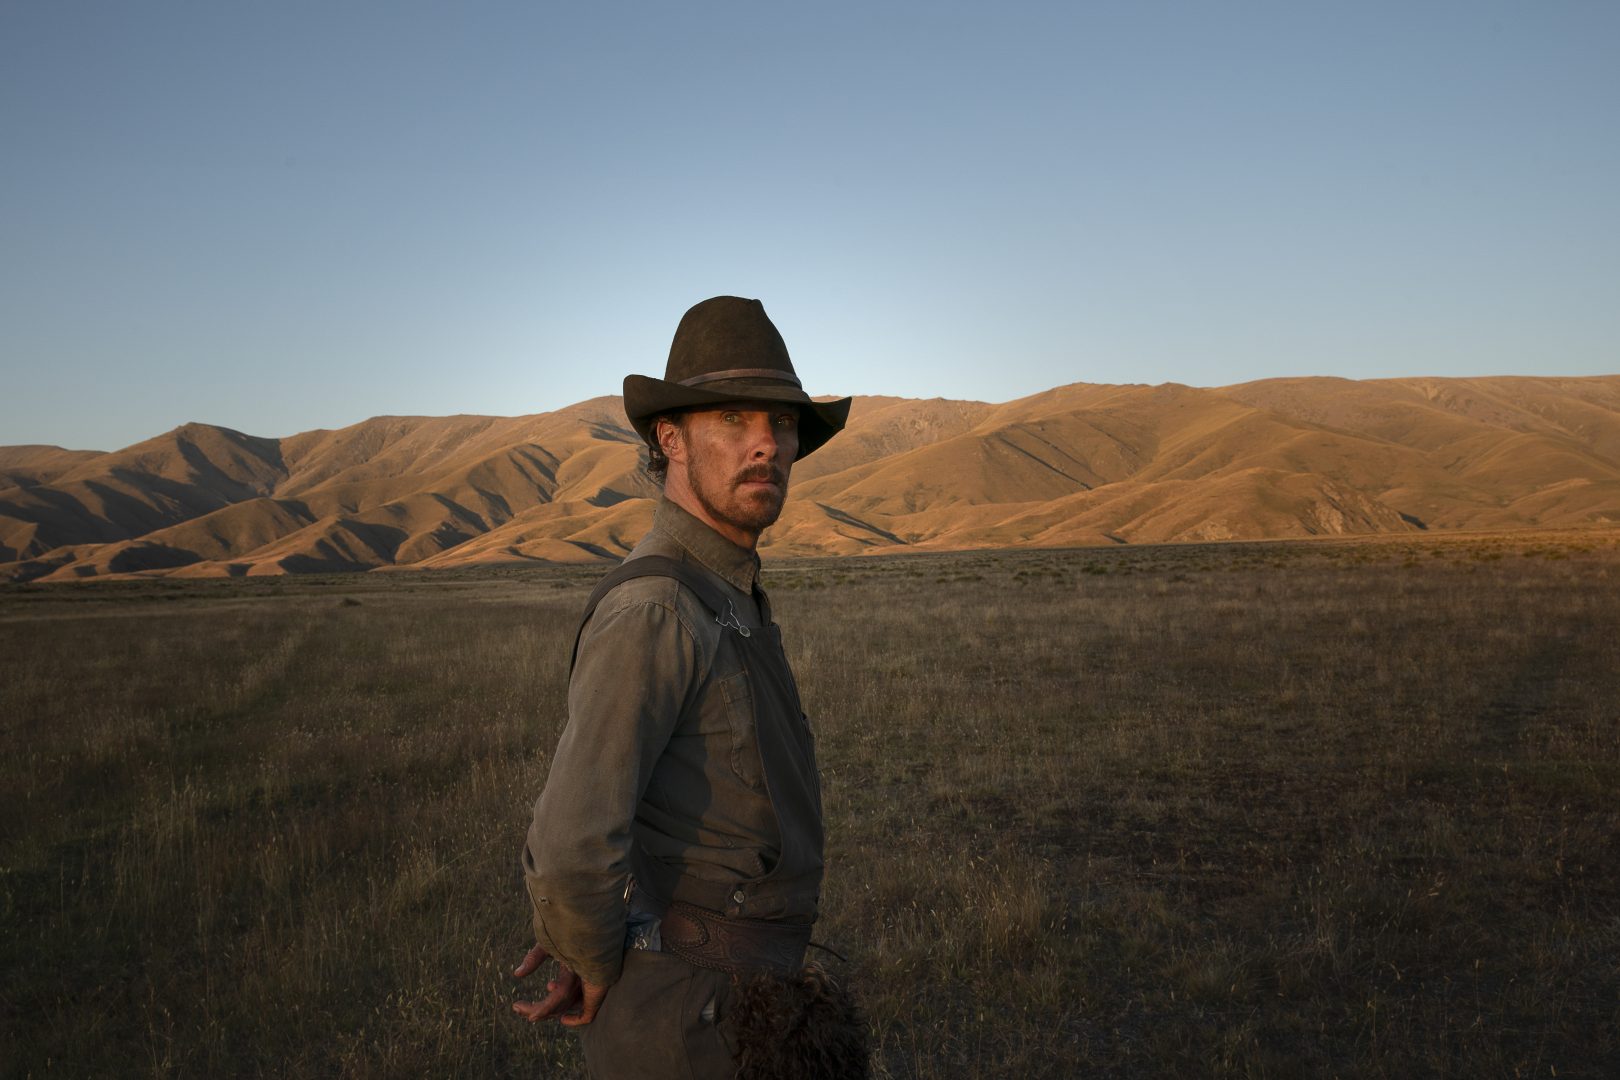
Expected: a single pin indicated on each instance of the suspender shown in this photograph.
(652, 566)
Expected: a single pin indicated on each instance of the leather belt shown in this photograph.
(735, 946)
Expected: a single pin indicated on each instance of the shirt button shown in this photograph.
(738, 897)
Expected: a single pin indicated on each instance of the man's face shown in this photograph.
(736, 463)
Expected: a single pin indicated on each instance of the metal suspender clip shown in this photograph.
(730, 619)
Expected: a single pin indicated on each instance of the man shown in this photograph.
(675, 855)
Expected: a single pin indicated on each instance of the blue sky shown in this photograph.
(277, 216)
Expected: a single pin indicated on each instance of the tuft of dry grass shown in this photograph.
(1330, 808)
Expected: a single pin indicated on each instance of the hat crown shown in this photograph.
(727, 334)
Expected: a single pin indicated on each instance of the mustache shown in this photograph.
(762, 472)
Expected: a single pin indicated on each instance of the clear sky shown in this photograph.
(280, 215)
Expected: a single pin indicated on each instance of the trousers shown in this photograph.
(665, 1019)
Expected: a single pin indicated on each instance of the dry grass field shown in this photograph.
(1271, 809)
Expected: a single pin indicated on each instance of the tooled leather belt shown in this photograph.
(735, 946)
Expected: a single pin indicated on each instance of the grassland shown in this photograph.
(1328, 808)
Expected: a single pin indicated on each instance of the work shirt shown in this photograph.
(659, 759)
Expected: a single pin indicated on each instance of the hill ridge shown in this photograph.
(1080, 463)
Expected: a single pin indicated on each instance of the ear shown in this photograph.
(668, 434)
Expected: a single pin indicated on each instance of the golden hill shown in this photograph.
(1080, 464)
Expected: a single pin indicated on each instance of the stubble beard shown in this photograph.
(753, 510)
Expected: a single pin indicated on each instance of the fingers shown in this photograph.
(557, 1001)
(591, 1000)
(533, 960)
(564, 995)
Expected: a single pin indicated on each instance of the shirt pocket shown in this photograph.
(739, 698)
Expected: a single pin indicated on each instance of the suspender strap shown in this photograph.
(652, 566)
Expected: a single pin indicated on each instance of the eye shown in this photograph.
(729, 418)
(787, 420)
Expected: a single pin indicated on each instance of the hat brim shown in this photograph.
(646, 397)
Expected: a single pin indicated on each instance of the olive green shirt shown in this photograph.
(658, 758)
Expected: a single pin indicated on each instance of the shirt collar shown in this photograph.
(737, 566)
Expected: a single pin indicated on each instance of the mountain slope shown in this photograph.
(1079, 464)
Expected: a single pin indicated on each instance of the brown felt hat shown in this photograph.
(726, 349)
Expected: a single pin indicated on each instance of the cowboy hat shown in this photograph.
(726, 349)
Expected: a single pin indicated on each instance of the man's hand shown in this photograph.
(569, 998)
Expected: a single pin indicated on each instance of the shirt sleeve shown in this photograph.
(636, 664)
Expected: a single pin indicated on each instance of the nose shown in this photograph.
(766, 438)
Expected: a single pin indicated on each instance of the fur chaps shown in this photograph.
(805, 1026)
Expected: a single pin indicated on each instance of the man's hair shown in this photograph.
(657, 464)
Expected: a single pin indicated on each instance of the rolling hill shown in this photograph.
(1079, 464)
